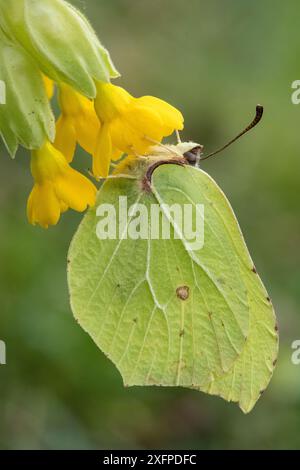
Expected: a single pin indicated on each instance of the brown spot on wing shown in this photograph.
(183, 292)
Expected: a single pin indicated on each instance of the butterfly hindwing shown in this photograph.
(168, 315)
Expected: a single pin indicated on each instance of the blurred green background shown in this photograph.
(215, 60)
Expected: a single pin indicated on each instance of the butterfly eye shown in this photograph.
(193, 156)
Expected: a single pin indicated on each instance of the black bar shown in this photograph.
(131, 459)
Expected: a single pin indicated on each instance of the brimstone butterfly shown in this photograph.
(163, 313)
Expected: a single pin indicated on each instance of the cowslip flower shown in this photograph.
(129, 125)
(77, 123)
(57, 187)
(46, 43)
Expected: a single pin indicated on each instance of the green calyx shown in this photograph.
(47, 37)
(26, 117)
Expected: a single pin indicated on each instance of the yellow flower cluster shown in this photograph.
(113, 124)
(104, 119)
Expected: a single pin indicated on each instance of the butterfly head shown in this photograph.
(191, 152)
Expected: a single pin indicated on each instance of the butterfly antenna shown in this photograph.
(258, 116)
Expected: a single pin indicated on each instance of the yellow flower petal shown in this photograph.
(135, 123)
(65, 139)
(133, 133)
(63, 207)
(57, 187)
(111, 101)
(116, 154)
(103, 153)
(171, 117)
(75, 190)
(87, 130)
(146, 124)
(43, 207)
(78, 123)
